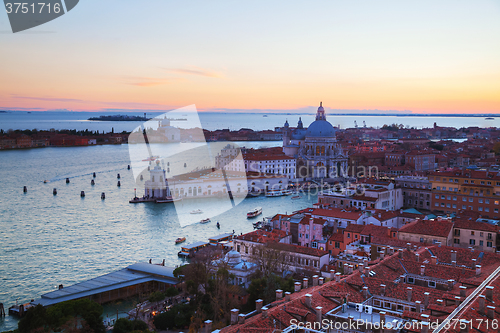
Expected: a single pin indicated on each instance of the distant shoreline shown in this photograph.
(461, 115)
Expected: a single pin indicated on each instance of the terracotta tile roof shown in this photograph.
(439, 228)
(355, 228)
(298, 249)
(376, 231)
(337, 213)
(464, 223)
(262, 236)
(336, 237)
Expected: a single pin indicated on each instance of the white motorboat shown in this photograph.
(254, 212)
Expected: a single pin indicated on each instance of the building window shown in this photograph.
(481, 243)
(431, 284)
(472, 242)
(348, 235)
(456, 241)
(411, 280)
(489, 244)
(472, 233)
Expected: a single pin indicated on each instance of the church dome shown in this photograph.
(233, 257)
(320, 128)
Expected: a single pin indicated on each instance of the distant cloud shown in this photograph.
(49, 99)
(149, 81)
(195, 71)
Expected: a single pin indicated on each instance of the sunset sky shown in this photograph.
(422, 56)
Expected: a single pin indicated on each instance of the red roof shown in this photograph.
(262, 236)
(439, 228)
(465, 223)
(337, 213)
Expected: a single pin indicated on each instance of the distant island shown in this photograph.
(120, 118)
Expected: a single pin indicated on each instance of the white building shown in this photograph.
(264, 161)
(365, 196)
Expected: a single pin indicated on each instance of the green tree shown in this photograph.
(171, 292)
(124, 325)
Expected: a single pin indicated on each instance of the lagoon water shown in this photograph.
(46, 240)
(234, 121)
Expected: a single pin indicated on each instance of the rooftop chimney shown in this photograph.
(409, 291)
(279, 294)
(337, 277)
(490, 312)
(382, 317)
(297, 286)
(321, 281)
(489, 292)
(315, 280)
(309, 300)
(453, 256)
(365, 292)
(426, 300)
(418, 306)
(305, 283)
(482, 304)
(425, 326)
(422, 269)
(332, 273)
(264, 312)
(417, 257)
(241, 318)
(463, 291)
(287, 296)
(454, 263)
(457, 300)
(382, 289)
(208, 326)
(400, 253)
(258, 305)
(433, 260)
(234, 316)
(440, 302)
(319, 314)
(478, 269)
(451, 283)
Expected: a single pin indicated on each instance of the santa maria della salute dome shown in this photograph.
(316, 149)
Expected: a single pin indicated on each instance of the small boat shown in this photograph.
(286, 192)
(180, 240)
(218, 225)
(274, 193)
(490, 118)
(150, 159)
(254, 212)
(295, 197)
(196, 211)
(46, 181)
(205, 221)
(257, 225)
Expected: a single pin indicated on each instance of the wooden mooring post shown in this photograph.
(2, 310)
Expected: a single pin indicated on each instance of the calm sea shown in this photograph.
(233, 121)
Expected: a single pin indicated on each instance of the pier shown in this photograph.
(136, 279)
